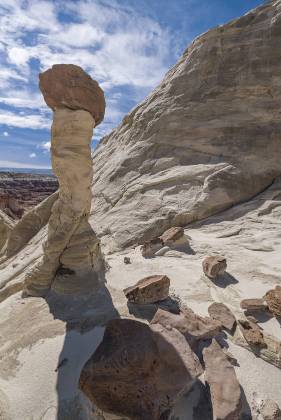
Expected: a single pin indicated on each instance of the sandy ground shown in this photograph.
(37, 334)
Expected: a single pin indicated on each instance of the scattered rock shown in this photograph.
(139, 370)
(149, 248)
(172, 235)
(270, 410)
(252, 333)
(253, 305)
(214, 266)
(149, 290)
(192, 326)
(224, 386)
(127, 260)
(273, 300)
(223, 314)
(69, 86)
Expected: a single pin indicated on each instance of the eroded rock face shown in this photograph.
(72, 253)
(214, 266)
(138, 371)
(223, 314)
(224, 386)
(191, 325)
(149, 290)
(273, 300)
(196, 145)
(69, 86)
(6, 226)
(252, 333)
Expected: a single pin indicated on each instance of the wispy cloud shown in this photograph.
(15, 164)
(34, 121)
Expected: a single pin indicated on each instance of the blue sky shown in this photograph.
(126, 45)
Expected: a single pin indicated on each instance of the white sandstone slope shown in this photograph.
(206, 138)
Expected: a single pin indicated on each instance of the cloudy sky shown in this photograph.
(126, 45)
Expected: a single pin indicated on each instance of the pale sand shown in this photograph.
(33, 341)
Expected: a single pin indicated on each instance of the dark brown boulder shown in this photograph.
(149, 290)
(69, 86)
(192, 326)
(139, 371)
(223, 314)
(224, 386)
(253, 305)
(214, 266)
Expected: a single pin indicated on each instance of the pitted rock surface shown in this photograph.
(138, 370)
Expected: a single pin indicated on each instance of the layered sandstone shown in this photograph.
(205, 139)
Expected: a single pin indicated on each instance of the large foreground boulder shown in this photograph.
(139, 371)
(206, 138)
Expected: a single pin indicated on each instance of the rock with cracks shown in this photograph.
(224, 386)
(139, 371)
(149, 290)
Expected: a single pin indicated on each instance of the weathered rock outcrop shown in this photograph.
(224, 386)
(6, 226)
(20, 192)
(138, 371)
(206, 138)
(71, 251)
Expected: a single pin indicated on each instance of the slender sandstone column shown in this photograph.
(71, 252)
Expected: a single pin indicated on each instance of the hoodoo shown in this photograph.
(71, 251)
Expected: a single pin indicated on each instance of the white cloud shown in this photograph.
(5, 133)
(46, 146)
(32, 155)
(34, 121)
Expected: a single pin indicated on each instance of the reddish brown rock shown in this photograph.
(139, 371)
(224, 386)
(214, 266)
(172, 235)
(273, 300)
(223, 314)
(192, 326)
(149, 290)
(253, 305)
(252, 333)
(69, 86)
(149, 248)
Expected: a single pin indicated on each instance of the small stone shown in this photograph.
(149, 290)
(127, 260)
(214, 266)
(149, 248)
(253, 304)
(223, 314)
(273, 300)
(252, 333)
(172, 235)
(224, 386)
(191, 325)
(139, 371)
(270, 410)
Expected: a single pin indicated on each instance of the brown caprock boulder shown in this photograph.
(224, 386)
(223, 314)
(214, 266)
(69, 86)
(138, 371)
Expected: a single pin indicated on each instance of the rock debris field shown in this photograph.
(148, 286)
